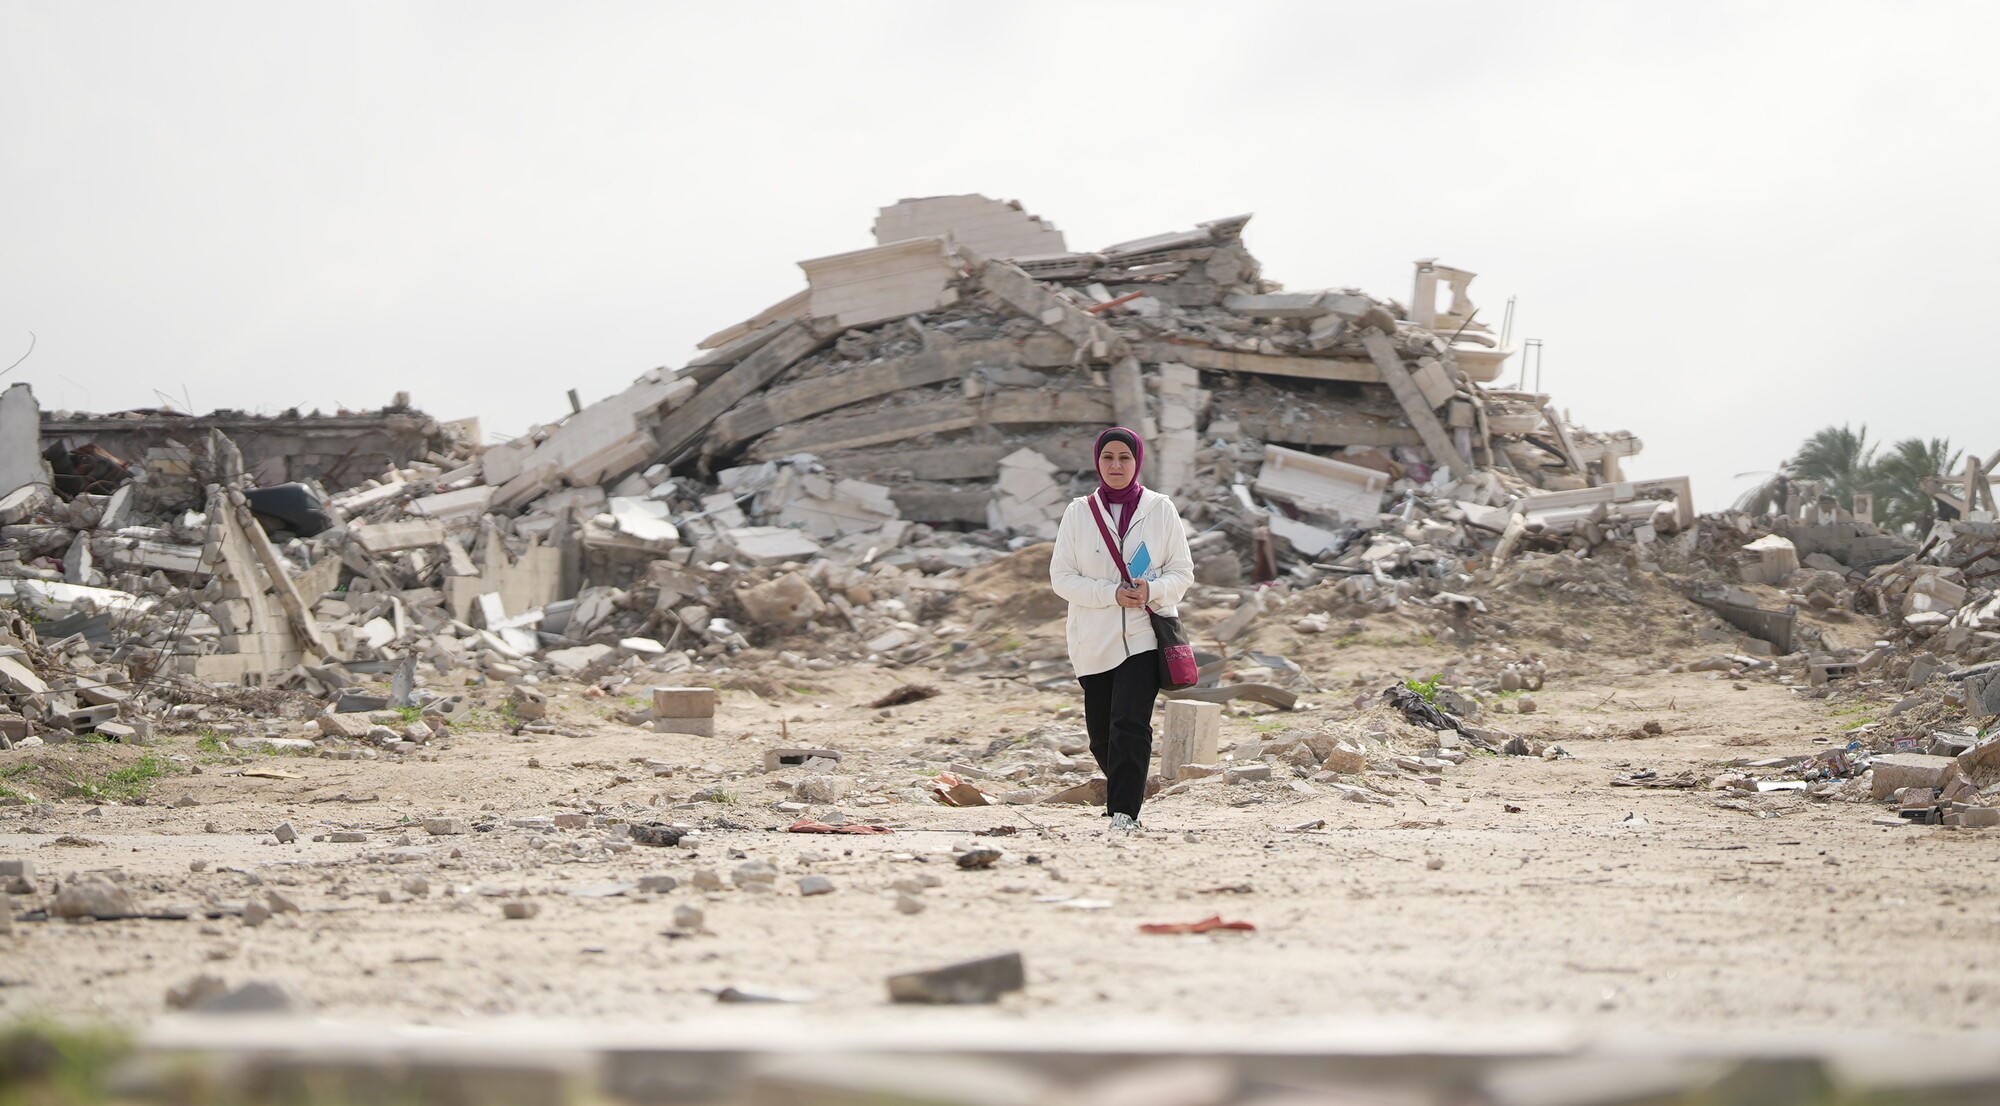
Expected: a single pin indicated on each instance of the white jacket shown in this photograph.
(1102, 633)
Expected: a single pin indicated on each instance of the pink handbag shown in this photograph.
(1178, 670)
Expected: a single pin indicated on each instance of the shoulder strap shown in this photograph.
(1110, 543)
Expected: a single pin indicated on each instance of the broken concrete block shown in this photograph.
(767, 546)
(775, 759)
(685, 702)
(1322, 485)
(353, 726)
(529, 705)
(21, 465)
(882, 283)
(1893, 771)
(974, 981)
(822, 789)
(687, 710)
(392, 537)
(1191, 735)
(786, 601)
(91, 897)
(569, 662)
(17, 876)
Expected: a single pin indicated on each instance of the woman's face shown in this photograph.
(1116, 466)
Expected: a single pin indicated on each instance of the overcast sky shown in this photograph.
(1731, 223)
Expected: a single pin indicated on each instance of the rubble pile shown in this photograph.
(863, 472)
(830, 468)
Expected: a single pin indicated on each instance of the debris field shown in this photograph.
(745, 686)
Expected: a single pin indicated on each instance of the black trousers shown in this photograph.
(1118, 711)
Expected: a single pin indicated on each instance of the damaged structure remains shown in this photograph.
(839, 465)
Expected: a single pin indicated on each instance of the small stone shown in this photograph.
(909, 904)
(445, 827)
(1248, 773)
(1525, 704)
(823, 789)
(385, 896)
(978, 858)
(688, 917)
(520, 909)
(255, 913)
(974, 981)
(285, 833)
(91, 897)
(707, 880)
(753, 873)
(815, 885)
(417, 886)
(658, 885)
(280, 904)
(349, 837)
(251, 998)
(194, 991)
(1434, 863)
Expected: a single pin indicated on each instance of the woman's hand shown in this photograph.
(1136, 596)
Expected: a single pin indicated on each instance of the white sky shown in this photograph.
(1731, 223)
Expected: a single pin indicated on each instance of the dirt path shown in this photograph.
(1519, 890)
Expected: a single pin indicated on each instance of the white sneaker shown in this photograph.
(1123, 823)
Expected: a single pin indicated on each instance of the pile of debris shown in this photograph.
(831, 469)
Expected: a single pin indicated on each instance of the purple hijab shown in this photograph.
(1128, 498)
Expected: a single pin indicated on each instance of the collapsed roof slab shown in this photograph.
(827, 393)
(1001, 407)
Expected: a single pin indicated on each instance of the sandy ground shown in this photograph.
(1517, 890)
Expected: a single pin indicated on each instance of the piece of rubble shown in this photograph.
(684, 710)
(1891, 772)
(91, 897)
(973, 981)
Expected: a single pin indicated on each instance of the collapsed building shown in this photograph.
(831, 464)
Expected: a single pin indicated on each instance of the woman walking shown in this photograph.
(1111, 640)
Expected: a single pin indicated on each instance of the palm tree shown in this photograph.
(1897, 481)
(1839, 458)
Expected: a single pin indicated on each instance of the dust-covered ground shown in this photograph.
(1498, 891)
